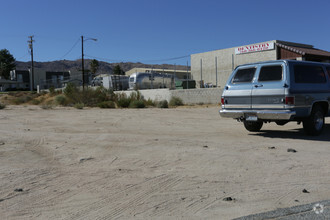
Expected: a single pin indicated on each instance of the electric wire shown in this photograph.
(142, 61)
(75, 44)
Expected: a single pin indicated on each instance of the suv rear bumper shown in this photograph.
(260, 114)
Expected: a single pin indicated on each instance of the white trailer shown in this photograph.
(115, 82)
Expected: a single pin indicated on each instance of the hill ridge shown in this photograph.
(104, 67)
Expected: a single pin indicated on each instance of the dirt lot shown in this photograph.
(188, 163)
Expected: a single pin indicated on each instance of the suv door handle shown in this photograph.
(260, 85)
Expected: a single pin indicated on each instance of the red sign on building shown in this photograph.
(254, 48)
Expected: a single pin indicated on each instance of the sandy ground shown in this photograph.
(179, 163)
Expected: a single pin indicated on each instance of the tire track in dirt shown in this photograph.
(132, 205)
(120, 203)
(58, 187)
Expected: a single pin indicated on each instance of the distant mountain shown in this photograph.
(104, 67)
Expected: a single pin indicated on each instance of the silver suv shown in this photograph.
(278, 91)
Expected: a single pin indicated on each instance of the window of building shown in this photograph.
(19, 78)
(270, 73)
(309, 74)
(244, 75)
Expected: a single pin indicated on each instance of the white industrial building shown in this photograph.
(211, 69)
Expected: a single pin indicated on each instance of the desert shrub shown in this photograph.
(35, 101)
(22, 99)
(79, 105)
(72, 93)
(46, 106)
(107, 104)
(122, 100)
(137, 104)
(93, 97)
(2, 106)
(136, 96)
(149, 102)
(89, 97)
(162, 104)
(52, 91)
(175, 101)
(42, 99)
(61, 100)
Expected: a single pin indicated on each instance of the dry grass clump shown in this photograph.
(78, 98)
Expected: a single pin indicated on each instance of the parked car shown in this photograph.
(278, 91)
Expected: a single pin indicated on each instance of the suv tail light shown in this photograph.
(222, 100)
(289, 100)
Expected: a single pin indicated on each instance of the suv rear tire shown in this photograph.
(253, 125)
(314, 124)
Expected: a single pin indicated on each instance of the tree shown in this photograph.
(7, 63)
(94, 65)
(118, 71)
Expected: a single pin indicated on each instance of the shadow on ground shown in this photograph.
(294, 134)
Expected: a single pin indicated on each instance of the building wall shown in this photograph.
(286, 54)
(227, 60)
(188, 96)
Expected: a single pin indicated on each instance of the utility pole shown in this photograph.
(216, 71)
(187, 77)
(82, 59)
(32, 66)
(82, 62)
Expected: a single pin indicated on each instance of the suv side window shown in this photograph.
(328, 70)
(270, 73)
(244, 75)
(309, 74)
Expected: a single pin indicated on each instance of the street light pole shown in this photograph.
(82, 59)
(82, 62)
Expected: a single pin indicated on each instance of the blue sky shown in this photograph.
(156, 31)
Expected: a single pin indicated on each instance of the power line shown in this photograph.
(23, 56)
(160, 60)
(101, 58)
(75, 44)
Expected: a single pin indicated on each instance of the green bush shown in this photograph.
(2, 106)
(88, 96)
(136, 96)
(35, 102)
(162, 104)
(175, 101)
(122, 100)
(46, 106)
(107, 104)
(79, 105)
(137, 104)
(72, 93)
(149, 102)
(22, 99)
(52, 91)
(61, 100)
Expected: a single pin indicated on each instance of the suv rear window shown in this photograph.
(309, 74)
(270, 73)
(244, 75)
